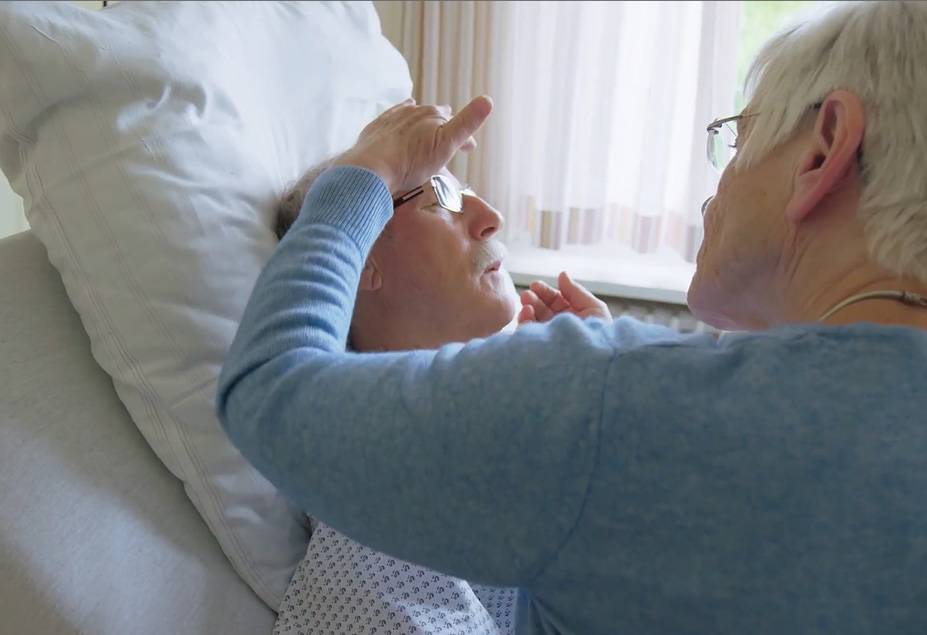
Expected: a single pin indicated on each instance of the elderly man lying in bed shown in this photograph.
(436, 275)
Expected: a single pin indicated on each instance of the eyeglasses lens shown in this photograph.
(448, 195)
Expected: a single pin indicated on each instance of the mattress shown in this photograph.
(96, 536)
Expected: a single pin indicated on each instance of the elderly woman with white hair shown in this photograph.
(628, 479)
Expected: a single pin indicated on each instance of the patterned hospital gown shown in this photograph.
(344, 588)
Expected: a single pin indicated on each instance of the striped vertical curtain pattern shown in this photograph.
(597, 141)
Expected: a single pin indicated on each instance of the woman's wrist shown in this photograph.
(380, 168)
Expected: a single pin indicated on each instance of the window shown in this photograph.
(760, 20)
(601, 167)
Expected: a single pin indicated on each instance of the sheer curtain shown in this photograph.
(595, 153)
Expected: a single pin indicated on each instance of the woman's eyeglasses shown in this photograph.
(722, 138)
(722, 141)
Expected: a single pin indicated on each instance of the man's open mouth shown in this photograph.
(494, 266)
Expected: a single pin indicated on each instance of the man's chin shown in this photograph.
(509, 296)
(507, 309)
(499, 309)
(493, 304)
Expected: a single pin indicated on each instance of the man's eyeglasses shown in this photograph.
(447, 194)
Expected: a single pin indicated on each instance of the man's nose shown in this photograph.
(483, 221)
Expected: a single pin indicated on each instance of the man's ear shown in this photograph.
(835, 144)
(370, 278)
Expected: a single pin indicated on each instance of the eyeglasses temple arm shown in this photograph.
(408, 196)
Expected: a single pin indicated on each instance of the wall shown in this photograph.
(391, 12)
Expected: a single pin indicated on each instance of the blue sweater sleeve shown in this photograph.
(474, 459)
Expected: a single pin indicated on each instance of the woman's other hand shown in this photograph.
(541, 302)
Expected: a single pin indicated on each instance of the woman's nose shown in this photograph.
(706, 204)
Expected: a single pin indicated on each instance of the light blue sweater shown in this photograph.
(628, 479)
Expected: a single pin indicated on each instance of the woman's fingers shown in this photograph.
(408, 143)
(542, 312)
(464, 124)
(392, 109)
(526, 314)
(550, 296)
(583, 302)
(447, 112)
(576, 294)
(469, 145)
(541, 302)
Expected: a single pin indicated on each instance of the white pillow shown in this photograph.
(150, 142)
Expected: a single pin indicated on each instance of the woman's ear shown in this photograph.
(835, 144)
(370, 278)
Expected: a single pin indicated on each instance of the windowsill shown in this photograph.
(663, 277)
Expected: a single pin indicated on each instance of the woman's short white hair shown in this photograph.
(878, 51)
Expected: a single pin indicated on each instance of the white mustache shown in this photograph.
(488, 252)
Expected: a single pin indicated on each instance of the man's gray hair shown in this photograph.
(877, 50)
(292, 201)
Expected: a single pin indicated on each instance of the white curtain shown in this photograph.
(597, 142)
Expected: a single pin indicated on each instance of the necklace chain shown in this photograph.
(905, 297)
